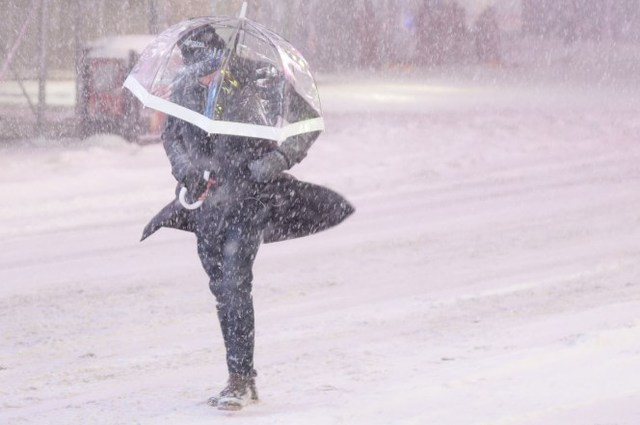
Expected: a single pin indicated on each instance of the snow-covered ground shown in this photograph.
(490, 276)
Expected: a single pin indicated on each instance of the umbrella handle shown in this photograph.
(183, 193)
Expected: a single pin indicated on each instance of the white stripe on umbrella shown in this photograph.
(278, 134)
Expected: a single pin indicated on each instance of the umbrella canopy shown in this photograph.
(251, 81)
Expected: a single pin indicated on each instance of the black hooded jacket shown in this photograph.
(296, 208)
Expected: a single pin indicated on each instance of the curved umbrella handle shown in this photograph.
(183, 193)
(183, 201)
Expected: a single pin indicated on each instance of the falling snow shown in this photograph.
(490, 274)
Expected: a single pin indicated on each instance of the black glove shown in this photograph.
(269, 166)
(195, 183)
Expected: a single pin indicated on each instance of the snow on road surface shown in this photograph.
(490, 276)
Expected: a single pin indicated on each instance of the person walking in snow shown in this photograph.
(247, 198)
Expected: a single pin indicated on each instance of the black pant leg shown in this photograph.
(227, 254)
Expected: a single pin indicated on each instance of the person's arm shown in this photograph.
(290, 152)
(295, 148)
(184, 171)
(174, 146)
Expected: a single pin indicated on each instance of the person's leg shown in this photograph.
(210, 241)
(233, 292)
(215, 239)
(228, 255)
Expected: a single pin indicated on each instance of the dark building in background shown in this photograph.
(332, 34)
(441, 32)
(585, 20)
(72, 24)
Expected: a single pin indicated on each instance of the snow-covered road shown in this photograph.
(491, 274)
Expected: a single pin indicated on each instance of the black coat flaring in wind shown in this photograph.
(297, 209)
(293, 208)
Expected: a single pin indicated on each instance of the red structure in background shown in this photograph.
(103, 105)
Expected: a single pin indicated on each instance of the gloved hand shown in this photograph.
(196, 184)
(269, 166)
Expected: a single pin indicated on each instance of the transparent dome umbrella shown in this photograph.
(260, 85)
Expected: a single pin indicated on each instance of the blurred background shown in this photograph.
(45, 76)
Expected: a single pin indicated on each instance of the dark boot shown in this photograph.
(240, 391)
